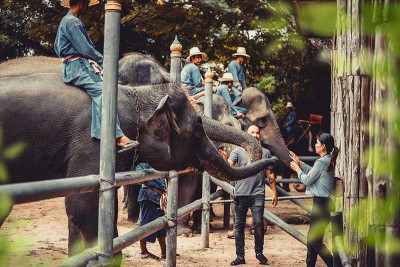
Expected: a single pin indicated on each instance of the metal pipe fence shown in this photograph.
(266, 199)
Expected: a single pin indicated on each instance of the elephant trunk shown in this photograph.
(217, 167)
(226, 134)
(272, 139)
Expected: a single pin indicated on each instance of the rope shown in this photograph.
(104, 179)
(205, 206)
(98, 253)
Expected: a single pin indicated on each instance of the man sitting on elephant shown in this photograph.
(225, 90)
(191, 76)
(237, 70)
(82, 64)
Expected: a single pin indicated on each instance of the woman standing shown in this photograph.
(319, 181)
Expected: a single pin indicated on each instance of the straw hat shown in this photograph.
(195, 51)
(227, 77)
(241, 51)
(289, 105)
(65, 3)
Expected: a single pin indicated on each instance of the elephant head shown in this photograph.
(259, 112)
(174, 134)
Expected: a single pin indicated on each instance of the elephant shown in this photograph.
(53, 120)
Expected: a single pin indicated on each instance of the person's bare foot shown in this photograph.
(123, 139)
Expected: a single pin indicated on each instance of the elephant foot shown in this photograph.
(184, 230)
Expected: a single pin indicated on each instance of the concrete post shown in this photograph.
(175, 71)
(107, 144)
(172, 214)
(205, 218)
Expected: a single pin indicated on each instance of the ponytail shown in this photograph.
(335, 152)
(329, 142)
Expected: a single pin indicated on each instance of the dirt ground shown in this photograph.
(43, 228)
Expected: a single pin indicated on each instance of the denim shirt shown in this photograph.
(318, 181)
(72, 38)
(191, 76)
(157, 183)
(237, 71)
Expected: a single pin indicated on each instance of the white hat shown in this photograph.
(289, 105)
(65, 3)
(195, 51)
(227, 77)
(241, 51)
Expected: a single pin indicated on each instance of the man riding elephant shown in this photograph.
(237, 69)
(191, 77)
(82, 61)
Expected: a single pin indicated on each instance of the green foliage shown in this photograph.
(383, 157)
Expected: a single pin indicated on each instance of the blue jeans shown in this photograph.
(256, 204)
(229, 98)
(94, 87)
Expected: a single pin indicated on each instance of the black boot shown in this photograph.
(262, 259)
(239, 260)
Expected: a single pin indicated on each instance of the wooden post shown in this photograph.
(175, 71)
(205, 217)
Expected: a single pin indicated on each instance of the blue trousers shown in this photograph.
(229, 98)
(256, 204)
(149, 211)
(94, 87)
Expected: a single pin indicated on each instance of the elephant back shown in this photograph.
(30, 65)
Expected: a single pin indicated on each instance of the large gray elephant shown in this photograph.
(259, 112)
(53, 120)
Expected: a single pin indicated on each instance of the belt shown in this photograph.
(70, 58)
(158, 191)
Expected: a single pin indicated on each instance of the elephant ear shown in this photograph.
(162, 120)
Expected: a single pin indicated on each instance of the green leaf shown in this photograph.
(318, 18)
(3, 173)
(13, 151)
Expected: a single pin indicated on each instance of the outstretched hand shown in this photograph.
(295, 166)
(295, 158)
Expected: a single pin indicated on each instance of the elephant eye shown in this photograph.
(262, 122)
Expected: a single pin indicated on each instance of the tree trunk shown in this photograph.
(356, 126)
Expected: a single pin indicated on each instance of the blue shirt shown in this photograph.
(254, 185)
(191, 76)
(237, 71)
(318, 181)
(72, 38)
(291, 118)
(157, 183)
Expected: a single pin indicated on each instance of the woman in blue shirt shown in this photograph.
(319, 181)
(76, 49)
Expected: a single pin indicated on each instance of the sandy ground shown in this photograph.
(42, 226)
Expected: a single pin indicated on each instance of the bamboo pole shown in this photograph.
(172, 220)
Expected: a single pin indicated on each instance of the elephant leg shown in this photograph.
(82, 211)
(196, 227)
(131, 202)
(188, 184)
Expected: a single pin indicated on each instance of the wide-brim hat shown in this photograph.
(241, 51)
(289, 105)
(227, 77)
(65, 3)
(196, 51)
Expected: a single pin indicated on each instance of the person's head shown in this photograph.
(79, 5)
(227, 79)
(254, 131)
(196, 56)
(241, 55)
(326, 145)
(240, 59)
(289, 106)
(196, 59)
